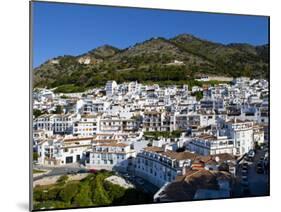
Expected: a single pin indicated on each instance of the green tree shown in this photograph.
(100, 197)
(115, 192)
(62, 179)
(58, 110)
(83, 197)
(35, 156)
(68, 192)
(37, 113)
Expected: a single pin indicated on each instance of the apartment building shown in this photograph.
(110, 88)
(88, 125)
(110, 155)
(211, 145)
(242, 134)
(58, 123)
(60, 151)
(160, 166)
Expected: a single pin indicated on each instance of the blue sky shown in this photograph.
(71, 29)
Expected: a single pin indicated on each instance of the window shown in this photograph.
(69, 160)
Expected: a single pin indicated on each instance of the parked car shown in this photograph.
(266, 155)
(245, 165)
(81, 171)
(140, 181)
(93, 171)
(244, 171)
(71, 172)
(251, 154)
(259, 168)
(244, 177)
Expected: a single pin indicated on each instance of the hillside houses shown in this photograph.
(156, 133)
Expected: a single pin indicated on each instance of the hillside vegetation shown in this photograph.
(153, 61)
(91, 191)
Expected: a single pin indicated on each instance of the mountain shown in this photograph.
(158, 59)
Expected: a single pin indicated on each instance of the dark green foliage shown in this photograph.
(68, 192)
(114, 191)
(62, 179)
(91, 191)
(176, 133)
(35, 156)
(165, 134)
(58, 110)
(198, 95)
(83, 196)
(37, 113)
(46, 194)
(99, 197)
(53, 193)
(69, 88)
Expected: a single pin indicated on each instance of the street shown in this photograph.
(62, 170)
(255, 184)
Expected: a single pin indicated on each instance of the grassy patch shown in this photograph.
(166, 134)
(69, 88)
(36, 171)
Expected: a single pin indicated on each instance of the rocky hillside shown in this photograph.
(158, 59)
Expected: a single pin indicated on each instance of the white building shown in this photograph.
(88, 125)
(110, 156)
(211, 145)
(62, 151)
(159, 166)
(242, 134)
(58, 123)
(110, 88)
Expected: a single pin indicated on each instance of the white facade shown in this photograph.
(242, 134)
(211, 145)
(62, 151)
(110, 88)
(59, 124)
(86, 126)
(159, 166)
(110, 156)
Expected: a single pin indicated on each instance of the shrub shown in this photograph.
(83, 196)
(35, 156)
(100, 197)
(69, 88)
(62, 179)
(68, 192)
(114, 191)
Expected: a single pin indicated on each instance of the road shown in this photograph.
(62, 170)
(258, 183)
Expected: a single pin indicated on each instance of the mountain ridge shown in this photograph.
(198, 56)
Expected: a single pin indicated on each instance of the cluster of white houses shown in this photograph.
(107, 128)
